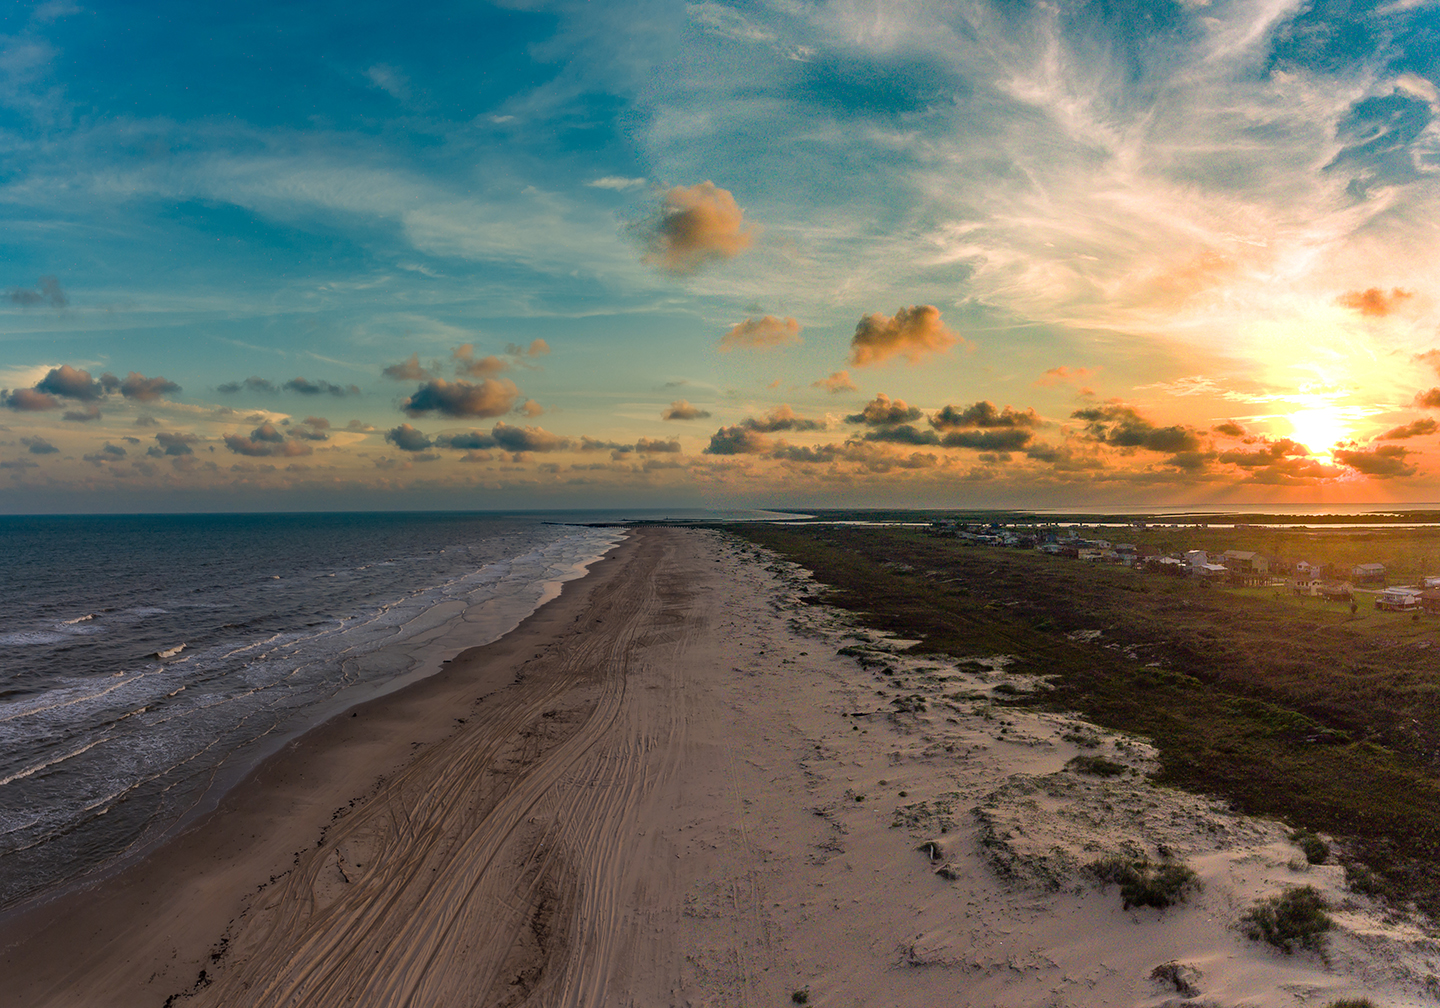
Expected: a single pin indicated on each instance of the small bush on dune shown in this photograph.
(1145, 883)
(1317, 851)
(1352, 1003)
(1097, 766)
(1295, 917)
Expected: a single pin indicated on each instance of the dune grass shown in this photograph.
(1291, 710)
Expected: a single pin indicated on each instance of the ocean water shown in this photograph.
(105, 747)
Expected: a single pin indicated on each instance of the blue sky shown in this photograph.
(1211, 220)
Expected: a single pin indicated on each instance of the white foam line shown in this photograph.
(41, 766)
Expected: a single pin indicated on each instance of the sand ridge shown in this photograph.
(704, 790)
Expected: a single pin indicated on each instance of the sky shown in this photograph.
(787, 253)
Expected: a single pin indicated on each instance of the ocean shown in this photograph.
(111, 738)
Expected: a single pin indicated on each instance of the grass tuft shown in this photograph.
(1295, 917)
(1317, 851)
(1146, 883)
(1097, 766)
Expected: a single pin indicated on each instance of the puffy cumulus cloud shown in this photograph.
(86, 414)
(765, 333)
(488, 398)
(737, 440)
(145, 420)
(698, 225)
(1430, 399)
(408, 370)
(836, 382)
(252, 384)
(682, 410)
(530, 408)
(904, 434)
(46, 292)
(471, 440)
(306, 387)
(136, 386)
(527, 439)
(1120, 425)
(107, 453)
(1384, 462)
(1063, 376)
(998, 440)
(913, 333)
(28, 400)
(266, 440)
(781, 418)
(466, 363)
(38, 446)
(407, 438)
(71, 383)
(537, 348)
(1416, 428)
(1375, 302)
(174, 443)
(1267, 453)
(1229, 429)
(359, 428)
(654, 445)
(983, 414)
(883, 411)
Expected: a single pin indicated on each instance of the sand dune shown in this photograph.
(691, 797)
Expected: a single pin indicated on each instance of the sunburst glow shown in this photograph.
(1319, 429)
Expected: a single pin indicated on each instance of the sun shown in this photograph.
(1319, 429)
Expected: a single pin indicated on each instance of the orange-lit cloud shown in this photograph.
(1063, 376)
(883, 411)
(983, 414)
(1416, 428)
(698, 225)
(836, 382)
(1384, 462)
(491, 397)
(466, 363)
(765, 333)
(913, 333)
(408, 370)
(682, 410)
(1375, 302)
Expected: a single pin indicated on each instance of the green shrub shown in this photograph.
(1146, 883)
(1352, 1003)
(1317, 851)
(1097, 766)
(1295, 917)
(800, 997)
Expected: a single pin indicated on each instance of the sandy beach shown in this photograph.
(682, 783)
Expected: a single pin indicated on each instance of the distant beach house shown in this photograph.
(1430, 582)
(1197, 558)
(1212, 573)
(1245, 566)
(1398, 599)
(1368, 573)
(1306, 568)
(1430, 600)
(1337, 591)
(1305, 584)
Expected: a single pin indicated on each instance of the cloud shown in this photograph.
(46, 292)
(306, 387)
(523, 439)
(1384, 462)
(883, 411)
(698, 226)
(537, 348)
(472, 440)
(266, 440)
(408, 370)
(389, 80)
(1116, 424)
(904, 434)
(651, 446)
(1429, 399)
(530, 408)
(1375, 302)
(765, 333)
(1268, 453)
(912, 333)
(107, 453)
(145, 420)
(781, 418)
(682, 410)
(175, 443)
(39, 446)
(1063, 376)
(407, 438)
(737, 440)
(983, 414)
(1416, 428)
(251, 384)
(1002, 440)
(838, 381)
(491, 397)
(71, 383)
(30, 401)
(86, 415)
(1229, 428)
(136, 386)
(616, 182)
(467, 364)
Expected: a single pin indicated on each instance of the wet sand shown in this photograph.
(670, 787)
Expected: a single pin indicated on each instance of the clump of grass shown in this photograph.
(800, 997)
(1352, 1003)
(1146, 883)
(1097, 766)
(1295, 917)
(1317, 851)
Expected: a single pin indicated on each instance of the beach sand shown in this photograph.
(670, 787)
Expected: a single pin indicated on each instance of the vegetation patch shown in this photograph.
(1317, 851)
(1296, 917)
(1097, 766)
(1146, 883)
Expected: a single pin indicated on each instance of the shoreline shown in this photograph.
(269, 794)
(701, 788)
